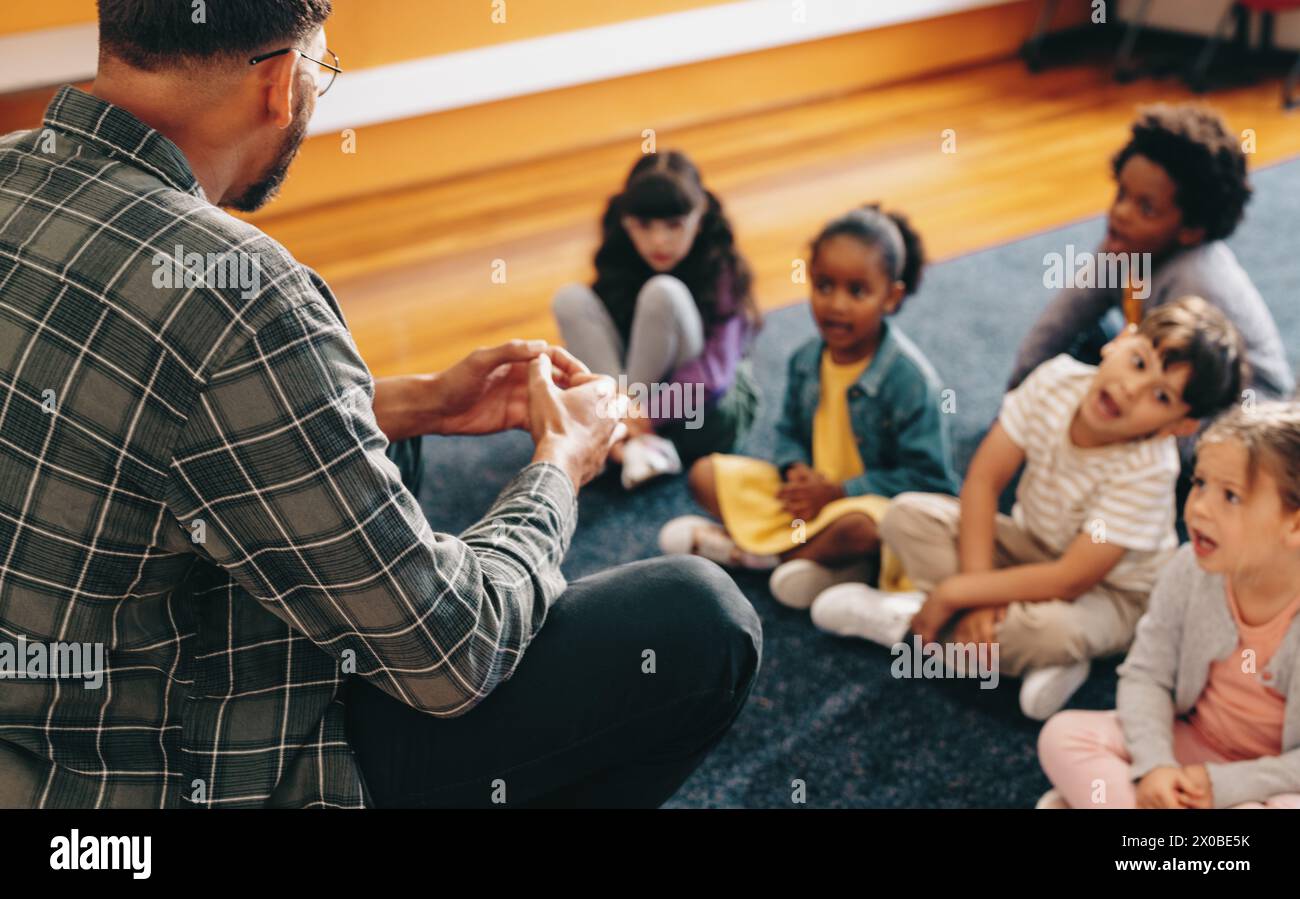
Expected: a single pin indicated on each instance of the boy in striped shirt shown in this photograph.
(1065, 577)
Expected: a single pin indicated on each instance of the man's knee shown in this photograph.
(711, 623)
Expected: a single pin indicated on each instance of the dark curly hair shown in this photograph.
(1204, 160)
(668, 185)
(869, 224)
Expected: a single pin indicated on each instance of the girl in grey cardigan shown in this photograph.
(1209, 697)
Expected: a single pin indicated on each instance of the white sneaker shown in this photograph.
(646, 457)
(856, 610)
(1052, 799)
(695, 535)
(1045, 691)
(798, 582)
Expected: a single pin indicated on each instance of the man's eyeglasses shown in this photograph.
(324, 77)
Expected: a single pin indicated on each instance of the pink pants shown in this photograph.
(1080, 749)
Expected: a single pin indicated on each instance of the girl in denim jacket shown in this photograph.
(862, 422)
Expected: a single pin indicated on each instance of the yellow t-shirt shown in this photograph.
(834, 448)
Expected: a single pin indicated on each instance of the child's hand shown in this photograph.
(928, 622)
(1195, 787)
(980, 625)
(797, 473)
(1160, 789)
(805, 499)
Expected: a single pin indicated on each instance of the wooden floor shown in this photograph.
(414, 271)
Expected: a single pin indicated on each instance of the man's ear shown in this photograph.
(1184, 427)
(1190, 237)
(279, 84)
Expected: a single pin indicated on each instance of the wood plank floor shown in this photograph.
(414, 270)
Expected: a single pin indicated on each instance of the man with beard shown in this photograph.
(201, 478)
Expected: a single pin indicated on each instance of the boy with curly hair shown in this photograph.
(1181, 190)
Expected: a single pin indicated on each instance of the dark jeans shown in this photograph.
(636, 675)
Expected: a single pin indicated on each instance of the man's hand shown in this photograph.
(806, 492)
(488, 390)
(484, 393)
(1160, 788)
(573, 428)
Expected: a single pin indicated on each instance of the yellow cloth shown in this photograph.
(747, 488)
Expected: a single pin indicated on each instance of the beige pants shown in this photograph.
(922, 529)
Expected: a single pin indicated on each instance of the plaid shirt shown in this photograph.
(192, 476)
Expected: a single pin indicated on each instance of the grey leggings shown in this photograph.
(667, 330)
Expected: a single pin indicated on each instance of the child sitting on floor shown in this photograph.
(671, 311)
(1209, 697)
(1065, 578)
(1181, 189)
(862, 422)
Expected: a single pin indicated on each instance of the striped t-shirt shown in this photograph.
(1121, 493)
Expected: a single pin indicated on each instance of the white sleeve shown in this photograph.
(1020, 405)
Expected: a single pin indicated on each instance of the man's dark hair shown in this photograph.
(1193, 331)
(1202, 158)
(155, 34)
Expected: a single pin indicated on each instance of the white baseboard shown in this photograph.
(49, 56)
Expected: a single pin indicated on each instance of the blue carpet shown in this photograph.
(825, 710)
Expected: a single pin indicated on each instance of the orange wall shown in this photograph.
(372, 32)
(20, 16)
(367, 33)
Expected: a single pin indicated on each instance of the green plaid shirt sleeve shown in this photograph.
(281, 467)
(192, 479)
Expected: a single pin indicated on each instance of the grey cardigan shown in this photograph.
(1187, 626)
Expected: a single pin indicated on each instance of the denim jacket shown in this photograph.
(894, 408)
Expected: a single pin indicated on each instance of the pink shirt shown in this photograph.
(1239, 713)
